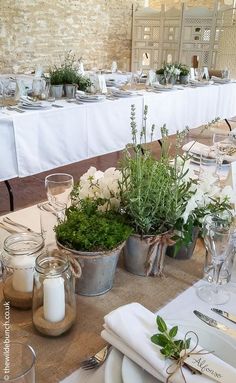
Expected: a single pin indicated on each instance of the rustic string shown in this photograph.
(74, 264)
(178, 364)
(158, 245)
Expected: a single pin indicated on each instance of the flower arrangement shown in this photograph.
(100, 187)
(207, 198)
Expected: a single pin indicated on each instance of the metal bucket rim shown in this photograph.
(93, 254)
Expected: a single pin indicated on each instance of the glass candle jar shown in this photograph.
(18, 260)
(54, 305)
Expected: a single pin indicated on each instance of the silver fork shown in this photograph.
(96, 360)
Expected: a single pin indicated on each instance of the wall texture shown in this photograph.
(39, 32)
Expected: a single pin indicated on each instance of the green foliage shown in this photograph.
(69, 75)
(160, 71)
(87, 229)
(170, 347)
(184, 70)
(56, 76)
(83, 82)
(153, 194)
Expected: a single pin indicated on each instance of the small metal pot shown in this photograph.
(56, 91)
(185, 252)
(139, 251)
(98, 270)
(161, 79)
(184, 79)
(70, 90)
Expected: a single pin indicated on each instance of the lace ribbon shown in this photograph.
(156, 253)
(179, 363)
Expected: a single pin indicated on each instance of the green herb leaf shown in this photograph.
(160, 340)
(173, 331)
(161, 324)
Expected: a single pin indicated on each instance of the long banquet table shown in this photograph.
(57, 358)
(37, 141)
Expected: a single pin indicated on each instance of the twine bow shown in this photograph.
(179, 363)
(74, 264)
(156, 253)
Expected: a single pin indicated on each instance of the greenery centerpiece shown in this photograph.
(208, 198)
(94, 231)
(168, 74)
(184, 74)
(154, 195)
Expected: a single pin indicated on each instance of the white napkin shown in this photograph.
(99, 83)
(151, 77)
(129, 329)
(81, 68)
(195, 147)
(220, 80)
(20, 89)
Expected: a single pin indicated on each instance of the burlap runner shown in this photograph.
(59, 357)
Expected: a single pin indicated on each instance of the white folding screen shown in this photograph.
(227, 42)
(179, 35)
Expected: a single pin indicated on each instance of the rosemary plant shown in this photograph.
(153, 193)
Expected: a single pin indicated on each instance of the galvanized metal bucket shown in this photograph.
(185, 252)
(56, 91)
(145, 255)
(70, 90)
(98, 270)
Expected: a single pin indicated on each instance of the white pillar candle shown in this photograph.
(54, 299)
(22, 279)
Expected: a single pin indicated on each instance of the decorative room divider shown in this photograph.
(194, 36)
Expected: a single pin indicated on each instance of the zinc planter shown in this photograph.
(98, 270)
(161, 79)
(185, 252)
(56, 91)
(184, 79)
(145, 255)
(70, 90)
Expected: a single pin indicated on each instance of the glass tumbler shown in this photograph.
(54, 304)
(58, 187)
(17, 362)
(18, 261)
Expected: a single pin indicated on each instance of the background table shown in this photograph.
(37, 141)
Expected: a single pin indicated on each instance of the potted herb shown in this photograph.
(93, 231)
(153, 198)
(160, 76)
(208, 198)
(56, 80)
(184, 74)
(83, 82)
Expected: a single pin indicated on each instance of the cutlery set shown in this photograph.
(13, 227)
(216, 324)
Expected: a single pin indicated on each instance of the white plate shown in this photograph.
(211, 339)
(87, 99)
(34, 107)
(132, 373)
(123, 93)
(113, 367)
(160, 89)
(199, 84)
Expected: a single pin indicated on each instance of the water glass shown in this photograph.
(17, 363)
(224, 146)
(50, 216)
(58, 188)
(219, 237)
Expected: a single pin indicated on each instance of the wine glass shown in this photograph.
(224, 145)
(219, 236)
(58, 188)
(139, 74)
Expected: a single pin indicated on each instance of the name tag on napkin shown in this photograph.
(220, 372)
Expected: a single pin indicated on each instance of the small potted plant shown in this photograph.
(153, 198)
(83, 82)
(56, 80)
(160, 76)
(184, 74)
(93, 231)
(207, 198)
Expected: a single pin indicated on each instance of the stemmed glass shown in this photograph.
(139, 74)
(167, 76)
(223, 145)
(58, 188)
(219, 237)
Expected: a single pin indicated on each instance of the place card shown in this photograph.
(207, 365)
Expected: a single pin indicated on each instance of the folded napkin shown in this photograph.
(27, 101)
(129, 329)
(195, 147)
(151, 77)
(220, 80)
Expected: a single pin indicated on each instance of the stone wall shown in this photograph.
(39, 32)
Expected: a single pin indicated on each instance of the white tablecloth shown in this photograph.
(37, 141)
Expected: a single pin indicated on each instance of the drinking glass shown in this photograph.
(139, 74)
(224, 145)
(50, 215)
(219, 237)
(58, 187)
(17, 363)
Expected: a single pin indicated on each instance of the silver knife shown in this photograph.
(213, 323)
(226, 315)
